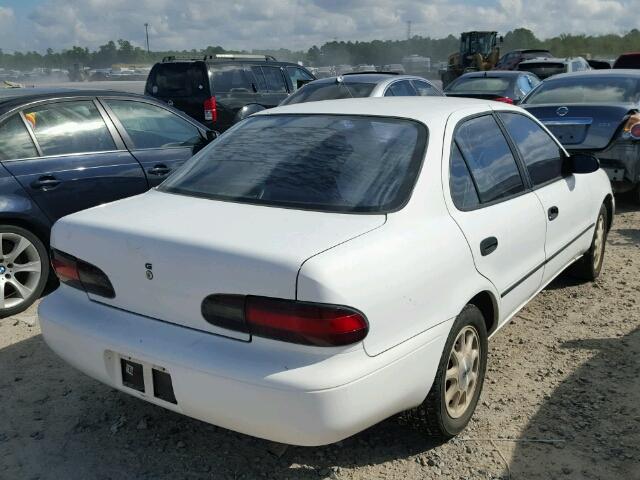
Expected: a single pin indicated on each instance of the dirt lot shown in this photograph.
(561, 401)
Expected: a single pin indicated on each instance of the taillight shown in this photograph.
(504, 100)
(210, 109)
(80, 274)
(632, 127)
(287, 320)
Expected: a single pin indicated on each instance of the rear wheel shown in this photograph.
(455, 391)
(24, 268)
(590, 265)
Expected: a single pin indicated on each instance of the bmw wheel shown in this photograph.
(456, 389)
(24, 268)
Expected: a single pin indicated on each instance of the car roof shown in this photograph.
(495, 73)
(548, 60)
(609, 72)
(359, 78)
(432, 111)
(525, 50)
(11, 98)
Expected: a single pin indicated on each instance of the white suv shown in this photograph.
(325, 265)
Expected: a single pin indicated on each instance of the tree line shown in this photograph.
(375, 52)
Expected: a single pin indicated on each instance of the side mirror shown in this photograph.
(581, 163)
(211, 135)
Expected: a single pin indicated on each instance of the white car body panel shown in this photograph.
(410, 272)
(198, 247)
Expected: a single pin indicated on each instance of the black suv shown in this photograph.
(220, 90)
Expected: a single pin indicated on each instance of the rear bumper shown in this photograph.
(621, 161)
(294, 396)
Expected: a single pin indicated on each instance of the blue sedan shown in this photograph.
(66, 150)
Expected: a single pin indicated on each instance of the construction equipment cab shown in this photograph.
(220, 90)
(479, 51)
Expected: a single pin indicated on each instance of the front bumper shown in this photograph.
(287, 394)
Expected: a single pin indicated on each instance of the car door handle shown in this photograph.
(488, 245)
(553, 213)
(159, 169)
(46, 182)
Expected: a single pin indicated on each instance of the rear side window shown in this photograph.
(423, 89)
(274, 79)
(15, 141)
(489, 158)
(178, 80)
(69, 127)
(400, 89)
(463, 191)
(537, 149)
(230, 78)
(150, 126)
(296, 74)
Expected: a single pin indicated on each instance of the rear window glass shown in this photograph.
(178, 80)
(627, 61)
(583, 89)
(543, 70)
(480, 84)
(230, 78)
(314, 92)
(333, 163)
(532, 55)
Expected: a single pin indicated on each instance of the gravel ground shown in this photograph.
(560, 401)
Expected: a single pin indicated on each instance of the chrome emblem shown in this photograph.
(562, 111)
(170, 103)
(149, 273)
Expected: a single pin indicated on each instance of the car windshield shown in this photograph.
(480, 84)
(314, 92)
(583, 89)
(334, 163)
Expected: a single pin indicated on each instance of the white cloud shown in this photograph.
(188, 24)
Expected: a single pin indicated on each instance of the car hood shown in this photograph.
(195, 247)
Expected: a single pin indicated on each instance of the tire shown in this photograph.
(588, 267)
(443, 420)
(23, 274)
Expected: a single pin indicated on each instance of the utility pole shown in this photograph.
(408, 37)
(146, 30)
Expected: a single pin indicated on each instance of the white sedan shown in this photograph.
(323, 266)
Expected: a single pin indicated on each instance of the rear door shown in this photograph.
(569, 210)
(182, 85)
(81, 162)
(158, 138)
(501, 218)
(234, 86)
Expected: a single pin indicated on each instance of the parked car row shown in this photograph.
(311, 256)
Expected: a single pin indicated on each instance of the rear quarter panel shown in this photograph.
(408, 276)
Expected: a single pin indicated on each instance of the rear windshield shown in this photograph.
(314, 92)
(532, 55)
(178, 80)
(543, 69)
(333, 163)
(627, 61)
(584, 89)
(231, 78)
(480, 84)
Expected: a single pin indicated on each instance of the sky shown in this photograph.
(293, 24)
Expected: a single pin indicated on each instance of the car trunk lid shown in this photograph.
(164, 253)
(582, 127)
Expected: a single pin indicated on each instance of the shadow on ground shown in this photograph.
(596, 414)
(62, 424)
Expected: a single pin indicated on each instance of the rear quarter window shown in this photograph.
(231, 79)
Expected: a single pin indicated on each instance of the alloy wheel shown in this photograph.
(462, 374)
(20, 269)
(598, 242)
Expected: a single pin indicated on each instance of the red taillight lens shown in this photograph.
(504, 100)
(80, 274)
(632, 127)
(287, 320)
(210, 109)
